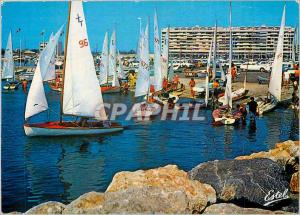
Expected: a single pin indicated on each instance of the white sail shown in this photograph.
(209, 58)
(223, 76)
(104, 61)
(82, 96)
(113, 60)
(8, 63)
(121, 73)
(47, 57)
(228, 91)
(157, 57)
(143, 80)
(171, 72)
(36, 99)
(165, 55)
(214, 54)
(206, 89)
(276, 74)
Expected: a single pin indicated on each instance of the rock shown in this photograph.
(244, 181)
(281, 154)
(47, 208)
(294, 183)
(228, 208)
(89, 203)
(145, 200)
(292, 166)
(168, 179)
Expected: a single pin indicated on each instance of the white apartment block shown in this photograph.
(248, 42)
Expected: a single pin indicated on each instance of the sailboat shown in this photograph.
(223, 115)
(8, 67)
(80, 95)
(268, 104)
(114, 86)
(144, 108)
(52, 77)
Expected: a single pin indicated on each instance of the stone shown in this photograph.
(168, 179)
(281, 154)
(88, 203)
(47, 208)
(228, 208)
(294, 183)
(145, 199)
(244, 181)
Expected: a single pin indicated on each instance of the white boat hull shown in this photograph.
(38, 131)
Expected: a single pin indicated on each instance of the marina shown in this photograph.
(84, 129)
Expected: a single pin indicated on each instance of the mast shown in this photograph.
(230, 41)
(64, 69)
(215, 53)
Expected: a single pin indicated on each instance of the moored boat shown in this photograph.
(80, 95)
(269, 104)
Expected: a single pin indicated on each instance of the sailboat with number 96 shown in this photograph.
(80, 95)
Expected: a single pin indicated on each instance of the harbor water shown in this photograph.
(36, 170)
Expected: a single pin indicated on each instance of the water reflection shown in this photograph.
(36, 170)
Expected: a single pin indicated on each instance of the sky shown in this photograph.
(34, 17)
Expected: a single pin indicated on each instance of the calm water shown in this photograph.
(35, 170)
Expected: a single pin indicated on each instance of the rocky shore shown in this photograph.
(260, 183)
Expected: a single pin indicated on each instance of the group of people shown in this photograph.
(241, 110)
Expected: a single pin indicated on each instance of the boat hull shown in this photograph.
(54, 129)
(110, 89)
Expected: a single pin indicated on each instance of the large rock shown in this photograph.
(281, 154)
(167, 179)
(47, 208)
(145, 200)
(294, 183)
(246, 181)
(88, 203)
(228, 208)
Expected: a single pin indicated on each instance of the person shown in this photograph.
(252, 108)
(83, 122)
(165, 83)
(175, 81)
(243, 110)
(286, 76)
(297, 73)
(192, 85)
(295, 86)
(233, 72)
(125, 88)
(24, 85)
(216, 84)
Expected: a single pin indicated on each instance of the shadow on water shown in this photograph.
(36, 170)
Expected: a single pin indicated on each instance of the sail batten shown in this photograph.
(8, 64)
(276, 74)
(82, 96)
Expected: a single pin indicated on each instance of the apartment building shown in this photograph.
(248, 42)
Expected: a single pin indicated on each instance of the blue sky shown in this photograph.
(33, 17)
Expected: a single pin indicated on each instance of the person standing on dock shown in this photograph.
(192, 85)
(252, 108)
